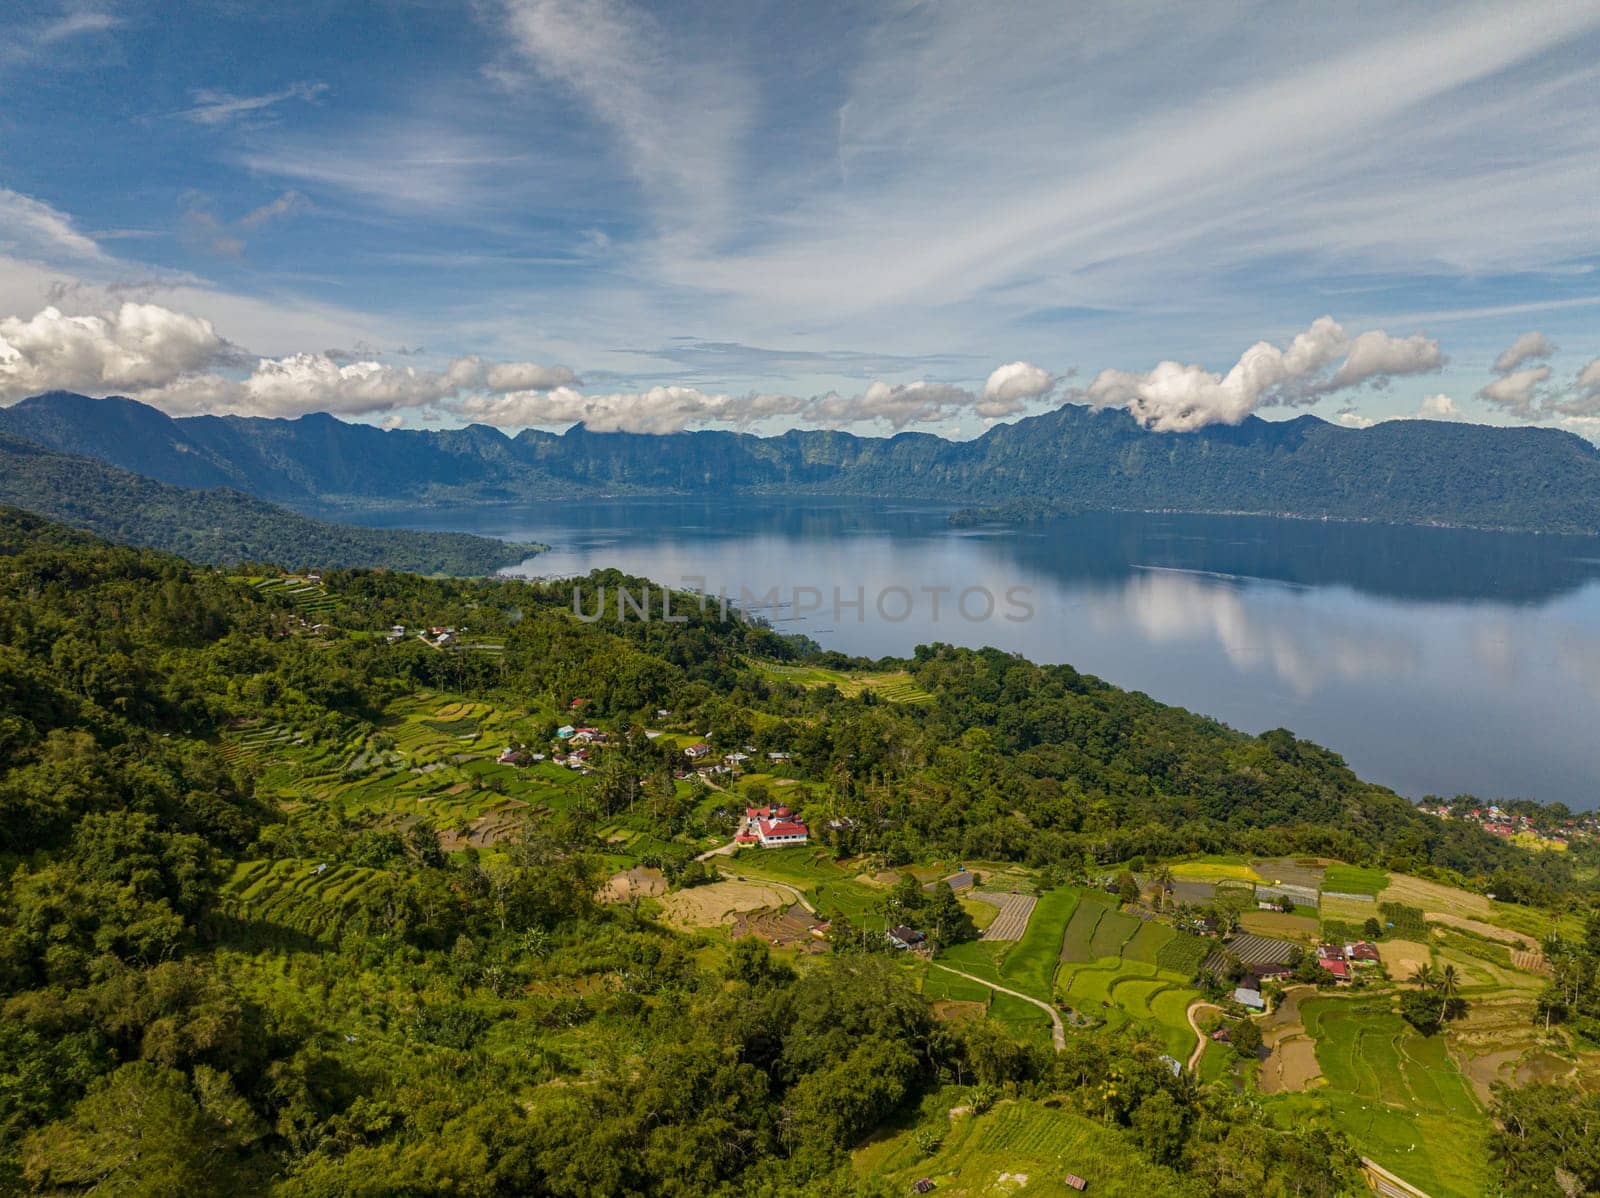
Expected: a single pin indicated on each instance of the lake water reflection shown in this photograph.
(1434, 660)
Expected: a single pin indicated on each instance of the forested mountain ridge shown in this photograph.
(1408, 471)
(223, 526)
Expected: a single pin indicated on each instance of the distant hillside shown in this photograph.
(221, 526)
(1411, 472)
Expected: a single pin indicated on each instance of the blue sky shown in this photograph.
(884, 216)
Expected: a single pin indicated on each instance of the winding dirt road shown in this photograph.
(1058, 1034)
(1200, 1037)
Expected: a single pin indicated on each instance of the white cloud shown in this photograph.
(1375, 357)
(307, 382)
(678, 125)
(33, 226)
(1351, 418)
(1174, 397)
(528, 376)
(1438, 407)
(1526, 348)
(671, 409)
(136, 347)
(1589, 380)
(209, 107)
(1010, 387)
(1515, 391)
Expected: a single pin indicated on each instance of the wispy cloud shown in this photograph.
(216, 108)
(32, 226)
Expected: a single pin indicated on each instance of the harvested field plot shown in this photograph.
(1403, 957)
(1275, 923)
(720, 903)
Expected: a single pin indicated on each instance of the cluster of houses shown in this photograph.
(1340, 960)
(1558, 832)
(771, 827)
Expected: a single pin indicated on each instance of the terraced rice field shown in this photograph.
(1078, 939)
(1354, 879)
(292, 894)
(309, 597)
(1111, 933)
(1147, 943)
(1119, 992)
(895, 686)
(1398, 1094)
(1019, 1148)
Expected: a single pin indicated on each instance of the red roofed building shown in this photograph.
(772, 828)
(1339, 969)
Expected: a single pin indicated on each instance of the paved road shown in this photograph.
(1199, 1049)
(1058, 1034)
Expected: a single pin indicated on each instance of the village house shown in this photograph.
(1252, 999)
(903, 937)
(566, 731)
(1362, 953)
(696, 752)
(771, 828)
(510, 755)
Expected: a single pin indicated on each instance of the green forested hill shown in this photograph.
(255, 938)
(1405, 471)
(223, 526)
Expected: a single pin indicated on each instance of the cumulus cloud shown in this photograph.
(1515, 391)
(135, 348)
(1527, 348)
(1009, 388)
(528, 376)
(670, 409)
(172, 359)
(1438, 407)
(1174, 397)
(1375, 357)
(1351, 418)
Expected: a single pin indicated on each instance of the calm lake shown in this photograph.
(1436, 661)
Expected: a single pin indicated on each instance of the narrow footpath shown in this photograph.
(1058, 1034)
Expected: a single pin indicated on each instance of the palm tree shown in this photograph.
(1162, 876)
(1449, 982)
(1424, 976)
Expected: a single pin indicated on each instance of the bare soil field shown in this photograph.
(790, 928)
(720, 903)
(1433, 897)
(1401, 957)
(638, 882)
(1276, 923)
(951, 1009)
(1489, 930)
(1294, 871)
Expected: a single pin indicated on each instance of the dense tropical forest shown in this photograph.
(1404, 471)
(221, 526)
(271, 922)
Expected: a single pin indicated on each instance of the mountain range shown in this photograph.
(221, 526)
(1404, 471)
